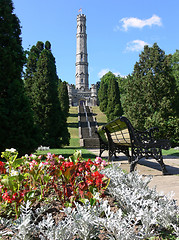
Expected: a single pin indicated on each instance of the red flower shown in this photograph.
(89, 181)
(14, 196)
(88, 163)
(66, 165)
(80, 169)
(98, 178)
(22, 194)
(2, 168)
(97, 174)
(6, 197)
(99, 181)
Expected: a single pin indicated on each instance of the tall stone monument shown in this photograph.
(81, 94)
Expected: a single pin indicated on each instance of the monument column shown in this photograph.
(81, 54)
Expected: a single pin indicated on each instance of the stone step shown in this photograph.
(85, 133)
(86, 140)
(90, 142)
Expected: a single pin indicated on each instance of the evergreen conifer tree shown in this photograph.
(102, 96)
(114, 108)
(64, 98)
(109, 96)
(122, 82)
(16, 120)
(175, 67)
(31, 69)
(151, 92)
(43, 81)
(103, 91)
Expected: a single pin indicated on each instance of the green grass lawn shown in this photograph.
(171, 151)
(100, 117)
(73, 127)
(66, 152)
(75, 141)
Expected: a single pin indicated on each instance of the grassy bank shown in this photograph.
(172, 152)
(74, 133)
(68, 151)
(100, 117)
(73, 127)
(74, 139)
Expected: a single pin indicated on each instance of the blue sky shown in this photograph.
(117, 30)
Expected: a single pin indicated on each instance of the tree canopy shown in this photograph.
(150, 98)
(41, 82)
(175, 67)
(102, 92)
(109, 96)
(16, 119)
(63, 96)
(114, 108)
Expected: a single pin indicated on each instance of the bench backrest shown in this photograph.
(102, 135)
(118, 131)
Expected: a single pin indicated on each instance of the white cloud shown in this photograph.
(139, 23)
(103, 72)
(106, 70)
(136, 45)
(117, 74)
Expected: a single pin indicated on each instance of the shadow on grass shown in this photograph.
(73, 115)
(175, 154)
(73, 125)
(101, 123)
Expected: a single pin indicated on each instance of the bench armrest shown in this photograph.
(152, 130)
(144, 136)
(147, 133)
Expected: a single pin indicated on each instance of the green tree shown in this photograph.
(122, 82)
(114, 108)
(48, 45)
(43, 82)
(16, 120)
(175, 66)
(97, 87)
(31, 69)
(63, 96)
(151, 93)
(102, 96)
(103, 91)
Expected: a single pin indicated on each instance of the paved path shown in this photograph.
(164, 184)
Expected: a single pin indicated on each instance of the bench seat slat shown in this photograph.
(121, 137)
(116, 126)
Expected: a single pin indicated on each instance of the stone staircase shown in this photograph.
(87, 128)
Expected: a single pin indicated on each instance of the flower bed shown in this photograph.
(55, 198)
(35, 177)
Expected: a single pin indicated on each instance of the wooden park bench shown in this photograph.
(119, 136)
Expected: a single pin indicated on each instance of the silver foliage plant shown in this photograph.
(139, 210)
(145, 205)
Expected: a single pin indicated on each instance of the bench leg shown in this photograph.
(129, 159)
(110, 155)
(133, 163)
(100, 153)
(163, 167)
(128, 156)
